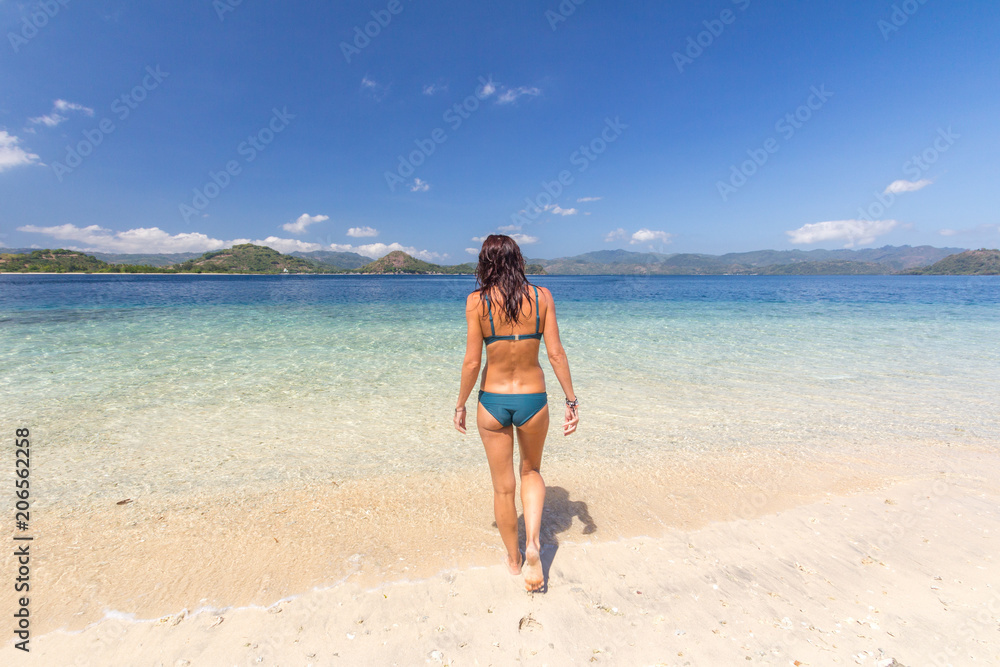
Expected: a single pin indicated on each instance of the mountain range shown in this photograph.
(887, 259)
(249, 258)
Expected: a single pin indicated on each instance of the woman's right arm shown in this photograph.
(560, 364)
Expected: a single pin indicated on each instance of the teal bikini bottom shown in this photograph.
(514, 409)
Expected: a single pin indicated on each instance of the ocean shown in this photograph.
(254, 381)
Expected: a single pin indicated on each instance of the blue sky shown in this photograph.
(714, 127)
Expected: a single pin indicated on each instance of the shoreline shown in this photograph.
(400, 526)
(546, 275)
(903, 568)
(225, 273)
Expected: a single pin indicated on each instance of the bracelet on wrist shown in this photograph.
(572, 404)
(459, 408)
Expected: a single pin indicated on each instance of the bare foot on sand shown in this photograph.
(515, 568)
(533, 577)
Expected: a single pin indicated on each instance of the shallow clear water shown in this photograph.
(170, 384)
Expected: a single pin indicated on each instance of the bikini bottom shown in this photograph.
(514, 409)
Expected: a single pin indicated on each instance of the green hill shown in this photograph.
(67, 261)
(827, 268)
(248, 258)
(398, 261)
(331, 258)
(895, 258)
(57, 261)
(982, 262)
(148, 259)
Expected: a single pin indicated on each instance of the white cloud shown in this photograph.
(376, 250)
(615, 235)
(419, 186)
(377, 90)
(63, 105)
(138, 240)
(12, 155)
(432, 88)
(54, 118)
(154, 240)
(48, 120)
(282, 245)
(648, 236)
(851, 231)
(510, 95)
(584, 199)
(359, 232)
(472, 251)
(901, 186)
(487, 89)
(555, 209)
(303, 221)
(509, 228)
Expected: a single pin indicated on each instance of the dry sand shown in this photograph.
(901, 570)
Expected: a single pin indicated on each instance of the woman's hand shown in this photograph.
(572, 417)
(460, 419)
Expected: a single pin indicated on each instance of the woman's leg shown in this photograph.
(499, 443)
(531, 440)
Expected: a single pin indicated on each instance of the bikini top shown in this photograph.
(495, 337)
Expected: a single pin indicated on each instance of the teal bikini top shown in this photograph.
(495, 337)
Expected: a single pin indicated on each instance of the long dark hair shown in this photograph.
(501, 265)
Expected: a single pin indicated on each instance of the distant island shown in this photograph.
(251, 259)
(245, 258)
(982, 262)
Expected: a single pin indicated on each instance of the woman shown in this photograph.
(511, 316)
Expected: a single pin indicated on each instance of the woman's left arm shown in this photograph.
(473, 358)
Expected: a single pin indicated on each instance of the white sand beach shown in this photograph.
(902, 571)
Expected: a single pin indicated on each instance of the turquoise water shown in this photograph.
(171, 384)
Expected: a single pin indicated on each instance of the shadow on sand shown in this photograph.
(557, 517)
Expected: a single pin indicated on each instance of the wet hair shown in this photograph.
(501, 265)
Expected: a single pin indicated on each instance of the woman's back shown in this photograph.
(512, 347)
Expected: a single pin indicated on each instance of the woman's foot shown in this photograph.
(513, 565)
(533, 577)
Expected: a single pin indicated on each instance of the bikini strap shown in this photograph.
(490, 310)
(537, 308)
